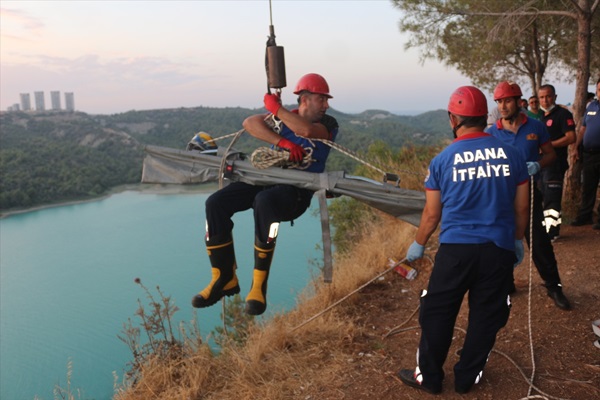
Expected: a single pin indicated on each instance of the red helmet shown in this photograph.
(468, 101)
(313, 83)
(507, 89)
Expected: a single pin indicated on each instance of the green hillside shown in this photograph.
(52, 157)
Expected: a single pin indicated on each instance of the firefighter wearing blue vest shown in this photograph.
(477, 187)
(271, 204)
(532, 139)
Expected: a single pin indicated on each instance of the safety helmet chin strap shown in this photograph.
(457, 127)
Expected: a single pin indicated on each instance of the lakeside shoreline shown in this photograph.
(145, 188)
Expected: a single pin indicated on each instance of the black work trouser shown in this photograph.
(540, 246)
(485, 271)
(589, 187)
(553, 177)
(271, 204)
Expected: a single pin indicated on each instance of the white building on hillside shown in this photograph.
(25, 102)
(40, 103)
(69, 101)
(55, 100)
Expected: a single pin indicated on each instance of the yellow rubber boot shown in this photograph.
(256, 301)
(224, 281)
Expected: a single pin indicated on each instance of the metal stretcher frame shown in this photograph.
(164, 165)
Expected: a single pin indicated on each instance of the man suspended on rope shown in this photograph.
(477, 187)
(533, 141)
(290, 131)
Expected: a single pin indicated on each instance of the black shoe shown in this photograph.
(581, 222)
(596, 226)
(407, 376)
(254, 307)
(256, 301)
(559, 298)
(462, 390)
(513, 288)
(215, 291)
(198, 301)
(554, 233)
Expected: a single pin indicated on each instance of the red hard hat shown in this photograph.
(468, 101)
(507, 89)
(313, 83)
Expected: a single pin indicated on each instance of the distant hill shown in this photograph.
(51, 157)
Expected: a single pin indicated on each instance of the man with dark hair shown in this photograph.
(534, 108)
(532, 139)
(561, 127)
(477, 187)
(589, 142)
(523, 103)
(289, 130)
(589, 99)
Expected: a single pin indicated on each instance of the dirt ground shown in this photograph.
(567, 364)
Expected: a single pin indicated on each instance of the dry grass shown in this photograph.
(301, 354)
(278, 361)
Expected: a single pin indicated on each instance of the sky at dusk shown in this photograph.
(117, 56)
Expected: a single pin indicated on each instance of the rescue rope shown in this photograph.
(264, 157)
(356, 157)
(346, 296)
(395, 330)
(267, 157)
(220, 137)
(280, 159)
(531, 194)
(543, 395)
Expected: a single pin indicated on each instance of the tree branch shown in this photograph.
(517, 13)
(576, 6)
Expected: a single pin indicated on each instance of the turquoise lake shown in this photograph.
(67, 282)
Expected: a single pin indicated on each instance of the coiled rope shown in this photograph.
(265, 157)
